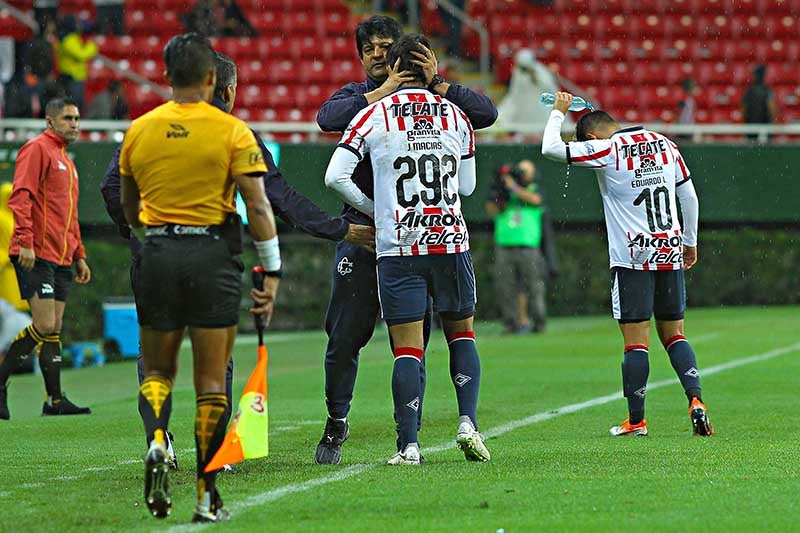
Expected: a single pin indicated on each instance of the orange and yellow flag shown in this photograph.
(248, 436)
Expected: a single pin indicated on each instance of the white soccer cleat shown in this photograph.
(409, 456)
(627, 429)
(471, 442)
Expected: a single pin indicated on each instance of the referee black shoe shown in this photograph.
(329, 449)
(156, 481)
(211, 511)
(63, 407)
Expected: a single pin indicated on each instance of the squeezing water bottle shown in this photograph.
(578, 103)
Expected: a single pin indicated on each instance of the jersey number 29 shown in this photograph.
(432, 173)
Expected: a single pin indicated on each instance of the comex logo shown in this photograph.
(345, 266)
(177, 132)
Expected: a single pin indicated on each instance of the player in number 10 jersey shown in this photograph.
(640, 174)
(422, 149)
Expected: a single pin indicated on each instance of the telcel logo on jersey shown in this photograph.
(658, 249)
(431, 229)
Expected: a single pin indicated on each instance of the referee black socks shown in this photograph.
(24, 344)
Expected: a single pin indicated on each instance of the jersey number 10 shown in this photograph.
(428, 168)
(652, 205)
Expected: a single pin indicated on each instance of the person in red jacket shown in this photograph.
(45, 245)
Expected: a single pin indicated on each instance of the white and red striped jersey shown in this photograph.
(639, 172)
(422, 149)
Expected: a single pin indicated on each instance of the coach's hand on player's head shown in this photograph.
(83, 274)
(689, 256)
(396, 77)
(563, 101)
(264, 299)
(27, 258)
(427, 60)
(361, 235)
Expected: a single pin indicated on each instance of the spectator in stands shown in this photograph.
(516, 205)
(687, 105)
(234, 23)
(758, 102)
(201, 19)
(41, 63)
(454, 25)
(45, 11)
(17, 98)
(110, 16)
(110, 104)
(74, 54)
(520, 109)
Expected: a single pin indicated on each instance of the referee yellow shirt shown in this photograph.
(182, 157)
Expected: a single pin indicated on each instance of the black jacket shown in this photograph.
(287, 203)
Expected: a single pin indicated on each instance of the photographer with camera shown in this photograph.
(516, 205)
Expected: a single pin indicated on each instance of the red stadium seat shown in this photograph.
(549, 25)
(336, 23)
(644, 7)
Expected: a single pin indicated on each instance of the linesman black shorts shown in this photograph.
(48, 280)
(405, 284)
(191, 281)
(638, 294)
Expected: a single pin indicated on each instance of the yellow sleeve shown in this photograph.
(124, 153)
(246, 156)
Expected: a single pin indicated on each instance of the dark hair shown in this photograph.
(687, 84)
(226, 73)
(402, 48)
(54, 106)
(188, 57)
(591, 122)
(759, 74)
(114, 85)
(379, 26)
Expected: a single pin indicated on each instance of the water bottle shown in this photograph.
(578, 103)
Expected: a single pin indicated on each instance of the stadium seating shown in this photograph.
(647, 46)
(642, 48)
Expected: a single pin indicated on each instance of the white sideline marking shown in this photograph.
(354, 470)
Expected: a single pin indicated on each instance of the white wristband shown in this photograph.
(269, 254)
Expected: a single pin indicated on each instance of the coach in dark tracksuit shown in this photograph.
(354, 307)
(287, 203)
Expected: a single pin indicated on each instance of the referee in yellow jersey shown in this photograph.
(180, 166)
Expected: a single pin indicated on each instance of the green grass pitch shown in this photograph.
(546, 402)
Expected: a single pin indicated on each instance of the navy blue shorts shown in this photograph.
(404, 284)
(638, 294)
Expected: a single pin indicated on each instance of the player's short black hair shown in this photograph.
(402, 48)
(590, 122)
(188, 57)
(226, 73)
(54, 106)
(376, 26)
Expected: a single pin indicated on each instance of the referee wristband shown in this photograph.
(269, 254)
